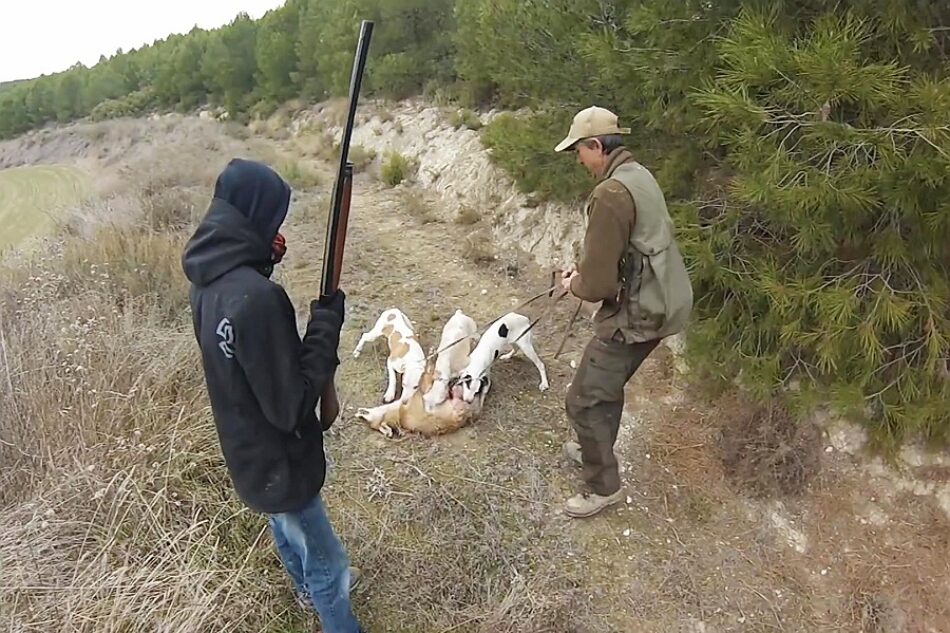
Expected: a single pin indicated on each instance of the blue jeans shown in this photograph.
(317, 564)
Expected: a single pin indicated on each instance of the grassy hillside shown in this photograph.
(32, 199)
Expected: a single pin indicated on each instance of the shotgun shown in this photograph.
(343, 187)
(340, 210)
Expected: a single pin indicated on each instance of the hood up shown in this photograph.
(249, 205)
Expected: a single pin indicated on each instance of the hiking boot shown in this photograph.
(588, 504)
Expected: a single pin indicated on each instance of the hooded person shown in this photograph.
(264, 382)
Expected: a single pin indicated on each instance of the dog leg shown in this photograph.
(367, 337)
(390, 394)
(485, 387)
(527, 347)
(364, 339)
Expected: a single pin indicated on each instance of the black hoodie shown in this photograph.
(263, 381)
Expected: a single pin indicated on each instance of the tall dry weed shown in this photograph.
(116, 513)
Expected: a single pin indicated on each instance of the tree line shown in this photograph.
(304, 48)
(804, 146)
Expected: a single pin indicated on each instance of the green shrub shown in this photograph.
(395, 169)
(524, 147)
(298, 174)
(133, 104)
(465, 118)
(361, 157)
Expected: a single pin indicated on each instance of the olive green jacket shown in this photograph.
(631, 261)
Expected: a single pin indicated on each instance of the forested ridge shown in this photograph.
(804, 148)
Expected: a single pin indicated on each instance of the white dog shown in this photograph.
(503, 334)
(405, 353)
(461, 330)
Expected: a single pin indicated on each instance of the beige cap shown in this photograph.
(594, 121)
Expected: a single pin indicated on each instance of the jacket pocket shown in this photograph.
(605, 374)
(647, 304)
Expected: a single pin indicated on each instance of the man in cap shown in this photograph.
(632, 266)
(264, 383)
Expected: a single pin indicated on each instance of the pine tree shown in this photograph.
(275, 52)
(826, 260)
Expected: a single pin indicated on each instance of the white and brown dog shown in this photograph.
(406, 357)
(509, 332)
(461, 330)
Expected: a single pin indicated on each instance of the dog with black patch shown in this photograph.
(502, 339)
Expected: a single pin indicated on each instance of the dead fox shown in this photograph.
(412, 416)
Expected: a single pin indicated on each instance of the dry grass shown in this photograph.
(477, 559)
(361, 157)
(299, 174)
(315, 145)
(114, 508)
(465, 118)
(467, 215)
(418, 206)
(334, 111)
(477, 247)
(768, 452)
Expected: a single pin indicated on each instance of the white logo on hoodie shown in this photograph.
(226, 331)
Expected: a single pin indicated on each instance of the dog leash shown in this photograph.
(567, 331)
(548, 291)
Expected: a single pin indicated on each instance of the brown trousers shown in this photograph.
(595, 404)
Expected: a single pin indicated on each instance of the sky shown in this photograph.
(46, 36)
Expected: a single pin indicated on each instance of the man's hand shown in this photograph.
(329, 406)
(566, 280)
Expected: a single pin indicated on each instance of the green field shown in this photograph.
(32, 197)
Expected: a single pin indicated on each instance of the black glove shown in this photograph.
(335, 303)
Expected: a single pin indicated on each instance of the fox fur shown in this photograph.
(413, 416)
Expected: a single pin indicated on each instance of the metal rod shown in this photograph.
(567, 332)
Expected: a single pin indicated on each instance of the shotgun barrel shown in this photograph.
(343, 187)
